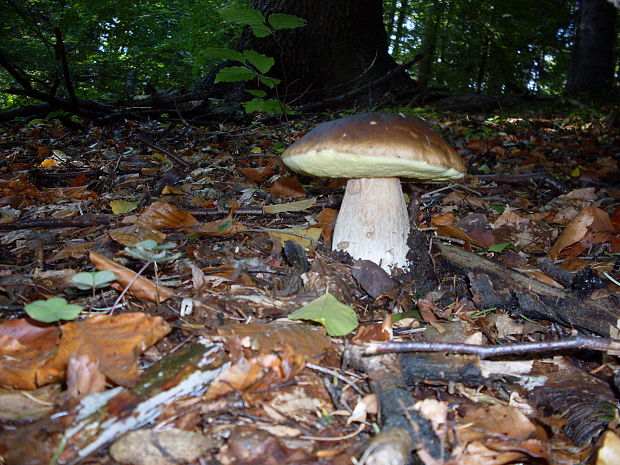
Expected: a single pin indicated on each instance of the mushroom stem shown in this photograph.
(373, 223)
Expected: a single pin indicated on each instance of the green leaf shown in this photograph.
(261, 31)
(243, 16)
(235, 74)
(247, 17)
(94, 279)
(283, 21)
(224, 54)
(257, 93)
(254, 105)
(269, 81)
(273, 106)
(262, 62)
(485, 169)
(149, 251)
(501, 247)
(339, 319)
(51, 310)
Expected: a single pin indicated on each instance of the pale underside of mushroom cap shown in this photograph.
(375, 145)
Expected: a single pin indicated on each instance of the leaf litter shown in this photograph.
(200, 345)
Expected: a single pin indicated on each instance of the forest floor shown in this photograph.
(187, 355)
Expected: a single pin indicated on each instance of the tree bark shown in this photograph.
(591, 68)
(343, 46)
(429, 41)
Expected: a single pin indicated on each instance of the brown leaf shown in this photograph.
(77, 250)
(504, 431)
(287, 187)
(260, 372)
(374, 333)
(574, 232)
(220, 228)
(327, 221)
(114, 342)
(74, 193)
(311, 341)
(161, 215)
(141, 288)
(130, 235)
(477, 145)
(83, 378)
(257, 175)
(24, 347)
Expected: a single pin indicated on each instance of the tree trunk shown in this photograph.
(482, 64)
(429, 40)
(591, 68)
(398, 34)
(343, 46)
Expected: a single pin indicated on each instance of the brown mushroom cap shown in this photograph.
(375, 145)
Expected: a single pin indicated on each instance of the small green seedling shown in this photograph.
(93, 280)
(52, 310)
(149, 251)
(339, 319)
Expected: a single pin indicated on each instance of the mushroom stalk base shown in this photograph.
(373, 223)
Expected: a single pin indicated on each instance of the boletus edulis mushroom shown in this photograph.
(374, 150)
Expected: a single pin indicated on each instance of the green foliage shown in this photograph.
(114, 48)
(339, 319)
(149, 251)
(492, 46)
(93, 280)
(52, 310)
(255, 65)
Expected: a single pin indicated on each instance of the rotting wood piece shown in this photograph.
(491, 283)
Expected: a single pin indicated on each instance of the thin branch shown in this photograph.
(579, 342)
(178, 160)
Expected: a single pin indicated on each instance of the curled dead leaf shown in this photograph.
(141, 288)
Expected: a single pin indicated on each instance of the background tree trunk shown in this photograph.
(591, 68)
(403, 13)
(429, 41)
(343, 46)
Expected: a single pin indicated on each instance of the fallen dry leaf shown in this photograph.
(132, 234)
(220, 228)
(311, 341)
(141, 288)
(161, 215)
(113, 342)
(259, 372)
(590, 219)
(25, 346)
(287, 187)
(327, 221)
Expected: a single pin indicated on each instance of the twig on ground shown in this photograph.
(579, 342)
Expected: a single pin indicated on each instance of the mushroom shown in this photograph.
(373, 150)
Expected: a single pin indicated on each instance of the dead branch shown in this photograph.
(544, 347)
(495, 285)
